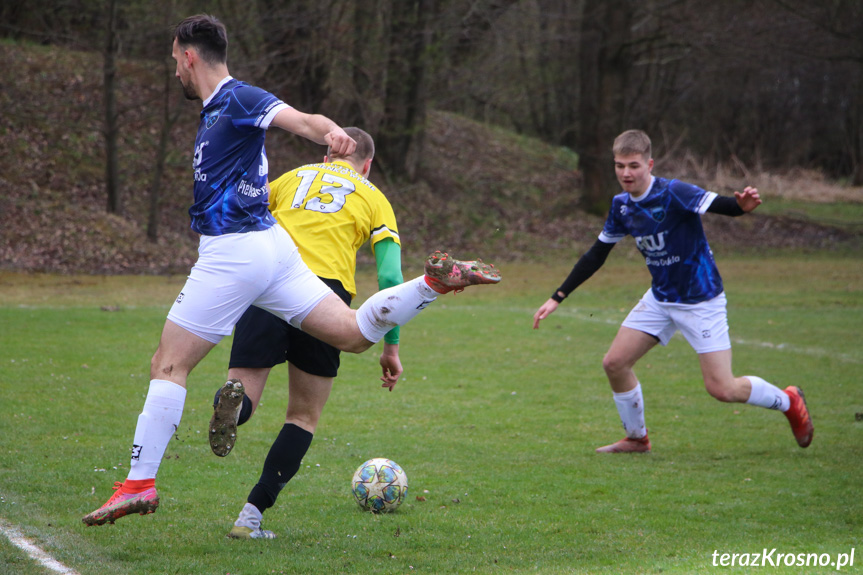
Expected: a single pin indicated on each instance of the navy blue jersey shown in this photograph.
(666, 225)
(231, 193)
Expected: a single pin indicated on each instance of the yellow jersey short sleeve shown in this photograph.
(331, 211)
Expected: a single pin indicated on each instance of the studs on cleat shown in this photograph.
(226, 413)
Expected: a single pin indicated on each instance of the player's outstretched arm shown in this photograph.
(749, 199)
(544, 311)
(391, 365)
(388, 260)
(316, 128)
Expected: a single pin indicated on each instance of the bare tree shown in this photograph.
(605, 65)
(401, 132)
(109, 72)
(834, 34)
(169, 119)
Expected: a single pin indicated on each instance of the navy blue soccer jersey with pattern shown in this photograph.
(231, 193)
(666, 225)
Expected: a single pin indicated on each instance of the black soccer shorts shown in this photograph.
(263, 340)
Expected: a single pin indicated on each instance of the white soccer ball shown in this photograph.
(379, 485)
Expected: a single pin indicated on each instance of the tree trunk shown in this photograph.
(112, 179)
(605, 64)
(401, 134)
(168, 121)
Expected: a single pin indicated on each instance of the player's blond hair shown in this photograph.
(632, 142)
(365, 146)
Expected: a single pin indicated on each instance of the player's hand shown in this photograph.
(391, 365)
(543, 312)
(341, 145)
(749, 199)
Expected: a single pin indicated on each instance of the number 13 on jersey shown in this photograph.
(335, 187)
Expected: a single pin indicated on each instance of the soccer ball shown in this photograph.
(379, 485)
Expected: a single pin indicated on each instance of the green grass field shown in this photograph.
(494, 423)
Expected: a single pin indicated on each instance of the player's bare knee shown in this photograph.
(356, 345)
(613, 365)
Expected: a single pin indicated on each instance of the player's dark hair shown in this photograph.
(632, 142)
(207, 35)
(365, 144)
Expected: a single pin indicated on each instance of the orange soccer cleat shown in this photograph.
(123, 502)
(798, 416)
(627, 445)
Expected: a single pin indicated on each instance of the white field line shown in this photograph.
(581, 315)
(34, 552)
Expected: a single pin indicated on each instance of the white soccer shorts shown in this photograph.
(235, 271)
(704, 324)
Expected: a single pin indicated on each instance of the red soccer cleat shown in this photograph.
(445, 273)
(798, 416)
(627, 445)
(123, 503)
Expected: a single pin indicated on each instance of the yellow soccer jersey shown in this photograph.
(331, 211)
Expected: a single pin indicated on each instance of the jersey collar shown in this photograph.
(645, 194)
(224, 81)
(344, 164)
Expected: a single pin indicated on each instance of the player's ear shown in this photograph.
(650, 165)
(367, 167)
(191, 57)
(326, 159)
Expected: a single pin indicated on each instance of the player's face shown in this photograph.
(183, 73)
(633, 173)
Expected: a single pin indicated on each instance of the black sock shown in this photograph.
(245, 409)
(282, 463)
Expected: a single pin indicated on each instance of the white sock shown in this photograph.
(393, 306)
(630, 406)
(249, 517)
(157, 424)
(765, 394)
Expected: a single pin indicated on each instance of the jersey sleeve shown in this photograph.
(383, 223)
(614, 229)
(690, 197)
(260, 105)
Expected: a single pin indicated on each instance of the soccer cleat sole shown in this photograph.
(223, 424)
(449, 274)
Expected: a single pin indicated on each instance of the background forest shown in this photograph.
(493, 118)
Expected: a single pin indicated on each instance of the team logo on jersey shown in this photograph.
(658, 214)
(211, 118)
